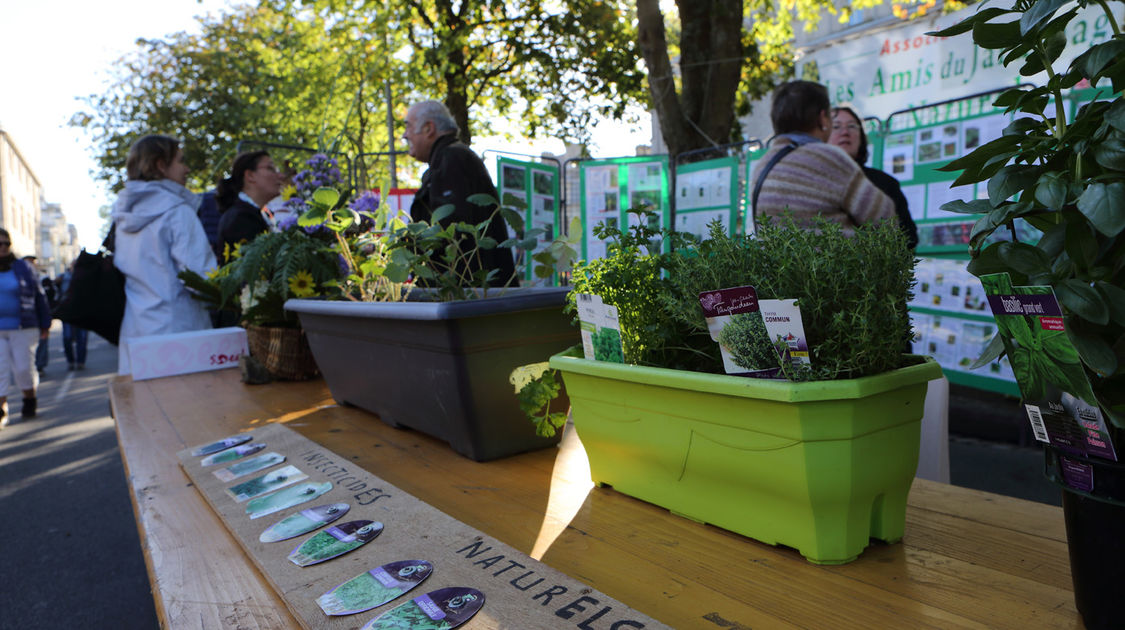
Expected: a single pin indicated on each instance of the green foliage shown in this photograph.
(748, 342)
(265, 274)
(1068, 180)
(852, 292)
(537, 387)
(607, 345)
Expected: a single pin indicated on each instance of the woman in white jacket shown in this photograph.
(157, 236)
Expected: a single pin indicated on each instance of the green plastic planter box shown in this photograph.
(441, 367)
(821, 466)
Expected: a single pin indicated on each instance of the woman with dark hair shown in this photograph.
(848, 134)
(157, 235)
(242, 198)
(25, 319)
(803, 174)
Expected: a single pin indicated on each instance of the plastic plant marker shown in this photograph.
(222, 445)
(443, 609)
(252, 465)
(287, 498)
(335, 541)
(303, 522)
(231, 454)
(374, 588)
(266, 483)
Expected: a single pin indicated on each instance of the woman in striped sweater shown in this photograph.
(805, 175)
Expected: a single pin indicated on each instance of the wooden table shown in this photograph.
(970, 559)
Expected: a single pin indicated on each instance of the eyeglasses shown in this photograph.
(848, 126)
(5, 243)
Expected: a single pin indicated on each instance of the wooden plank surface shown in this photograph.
(969, 559)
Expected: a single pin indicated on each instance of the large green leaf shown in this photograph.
(967, 24)
(1081, 243)
(1039, 13)
(994, 350)
(1115, 298)
(1083, 300)
(1115, 116)
(326, 197)
(1051, 190)
(976, 206)
(1010, 180)
(1024, 258)
(1104, 206)
(1093, 61)
(441, 213)
(1110, 153)
(1095, 353)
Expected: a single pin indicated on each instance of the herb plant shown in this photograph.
(1067, 179)
(749, 344)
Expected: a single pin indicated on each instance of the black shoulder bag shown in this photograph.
(95, 299)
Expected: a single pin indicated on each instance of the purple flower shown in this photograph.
(367, 202)
(287, 221)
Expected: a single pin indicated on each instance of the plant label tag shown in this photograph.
(303, 522)
(601, 330)
(1076, 474)
(252, 465)
(266, 483)
(734, 320)
(222, 445)
(287, 498)
(232, 454)
(374, 588)
(1057, 395)
(784, 327)
(443, 609)
(335, 541)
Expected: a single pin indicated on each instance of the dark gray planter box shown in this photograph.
(441, 367)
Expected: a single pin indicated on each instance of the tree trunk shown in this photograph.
(711, 68)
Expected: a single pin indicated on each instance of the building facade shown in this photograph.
(20, 198)
(58, 241)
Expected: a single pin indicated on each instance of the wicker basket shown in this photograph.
(284, 351)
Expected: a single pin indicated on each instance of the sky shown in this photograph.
(55, 52)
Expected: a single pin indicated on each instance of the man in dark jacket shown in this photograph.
(455, 174)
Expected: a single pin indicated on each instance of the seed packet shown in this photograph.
(755, 336)
(252, 465)
(374, 588)
(223, 444)
(335, 541)
(287, 498)
(232, 454)
(443, 609)
(601, 331)
(266, 483)
(1057, 395)
(303, 522)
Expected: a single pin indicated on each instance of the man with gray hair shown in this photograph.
(455, 174)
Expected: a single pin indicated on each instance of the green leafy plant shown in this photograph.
(1067, 179)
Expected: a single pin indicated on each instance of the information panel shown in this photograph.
(706, 191)
(609, 188)
(532, 188)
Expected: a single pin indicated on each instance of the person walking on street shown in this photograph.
(74, 338)
(24, 318)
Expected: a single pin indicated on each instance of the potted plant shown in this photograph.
(434, 359)
(1067, 179)
(822, 460)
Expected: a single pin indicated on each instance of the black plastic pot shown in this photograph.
(1095, 533)
(441, 367)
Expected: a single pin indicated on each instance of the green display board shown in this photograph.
(609, 188)
(533, 189)
(706, 191)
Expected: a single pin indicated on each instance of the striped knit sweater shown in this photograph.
(820, 179)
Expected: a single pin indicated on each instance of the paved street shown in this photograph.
(71, 556)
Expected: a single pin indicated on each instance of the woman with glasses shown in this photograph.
(254, 181)
(849, 135)
(157, 235)
(25, 319)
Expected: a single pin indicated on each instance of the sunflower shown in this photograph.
(302, 284)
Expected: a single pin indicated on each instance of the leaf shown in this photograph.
(1110, 153)
(1104, 206)
(976, 206)
(993, 35)
(440, 214)
(482, 199)
(1083, 300)
(1051, 190)
(1010, 180)
(326, 197)
(1096, 59)
(1115, 116)
(1095, 353)
(1081, 244)
(1038, 13)
(514, 219)
(967, 24)
(993, 351)
(1024, 258)
(486, 242)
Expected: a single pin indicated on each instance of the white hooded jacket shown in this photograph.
(158, 235)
